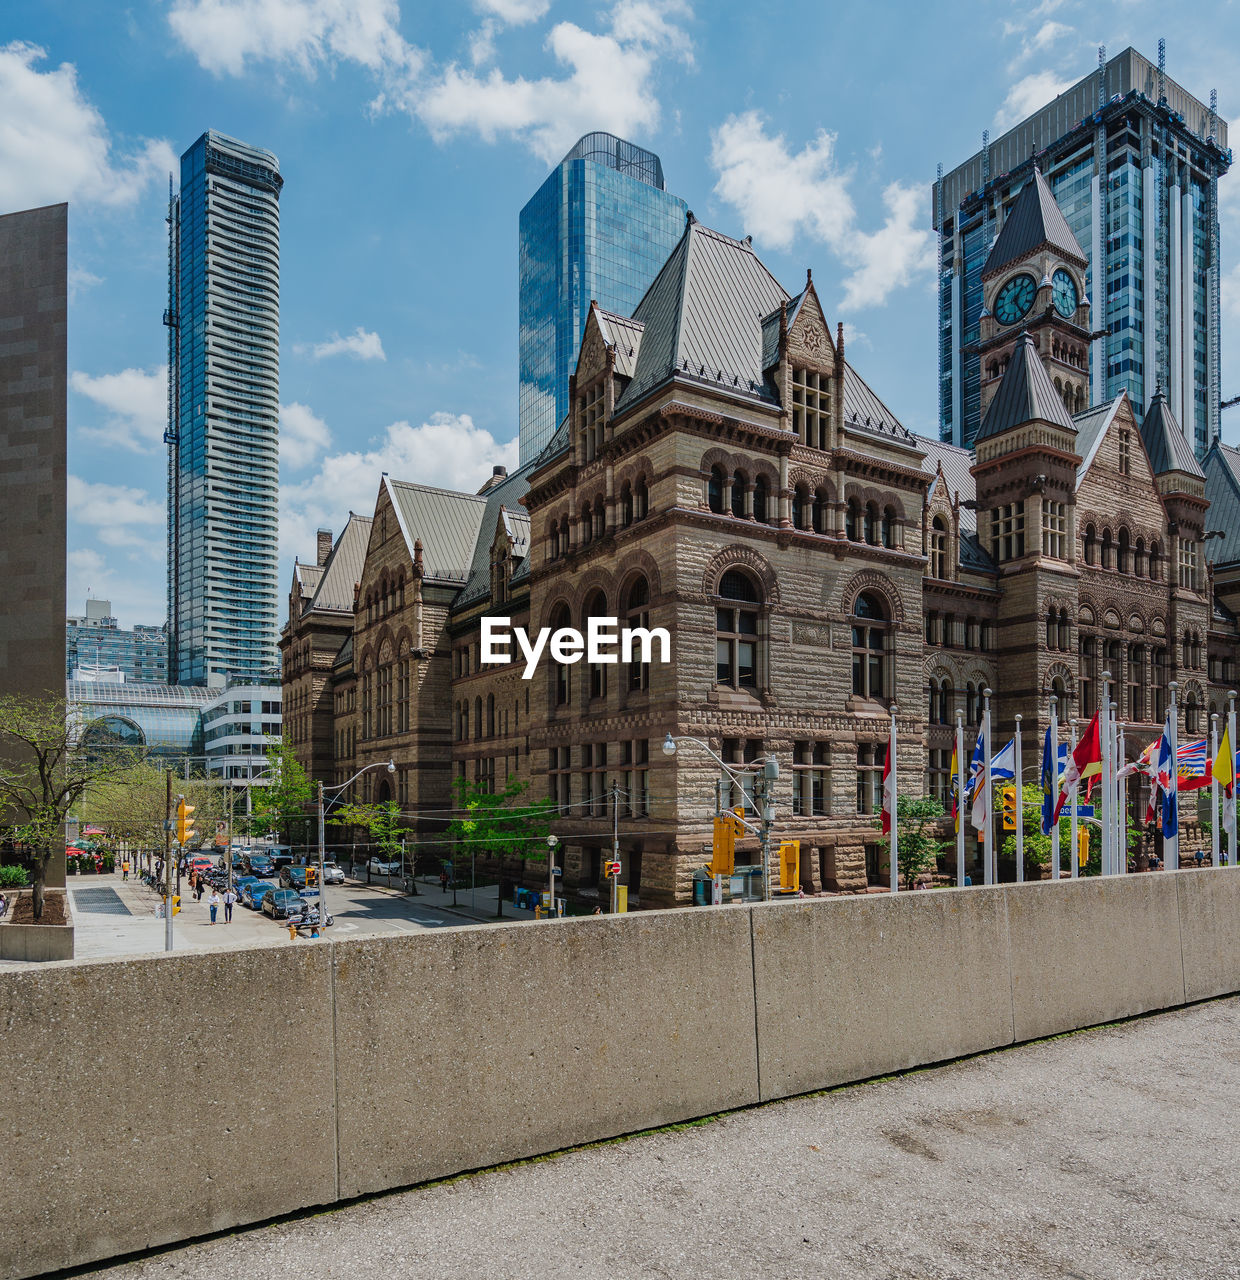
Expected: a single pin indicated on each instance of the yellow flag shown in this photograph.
(1225, 761)
(955, 785)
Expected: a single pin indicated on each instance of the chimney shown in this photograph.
(498, 475)
(325, 546)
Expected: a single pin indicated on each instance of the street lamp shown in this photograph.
(391, 768)
(763, 786)
(552, 841)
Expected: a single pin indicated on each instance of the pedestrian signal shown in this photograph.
(1009, 808)
(723, 848)
(185, 822)
(312, 875)
(1082, 846)
(611, 869)
(789, 865)
(176, 903)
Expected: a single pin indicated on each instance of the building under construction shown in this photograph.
(1133, 161)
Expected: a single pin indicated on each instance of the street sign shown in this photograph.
(557, 871)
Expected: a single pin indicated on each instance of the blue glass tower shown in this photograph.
(223, 413)
(599, 228)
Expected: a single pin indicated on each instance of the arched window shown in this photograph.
(737, 655)
(637, 614)
(1138, 558)
(1125, 563)
(600, 517)
(821, 511)
(871, 523)
(870, 632)
(889, 527)
(561, 682)
(938, 548)
(940, 708)
(800, 500)
(1108, 550)
(1085, 674)
(478, 717)
(714, 490)
(555, 539)
(641, 500)
(760, 491)
(1155, 561)
(626, 505)
(1052, 630)
(1091, 545)
(739, 485)
(852, 520)
(490, 715)
(1065, 631)
(1136, 682)
(1060, 693)
(1192, 715)
(596, 672)
(973, 703)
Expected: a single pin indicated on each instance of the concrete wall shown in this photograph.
(130, 1083)
(37, 941)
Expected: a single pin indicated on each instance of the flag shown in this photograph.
(1170, 810)
(1003, 766)
(1088, 753)
(889, 790)
(1049, 780)
(956, 796)
(976, 791)
(1194, 768)
(1225, 775)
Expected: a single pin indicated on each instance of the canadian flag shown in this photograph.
(1088, 751)
(889, 784)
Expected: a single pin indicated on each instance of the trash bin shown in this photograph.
(701, 893)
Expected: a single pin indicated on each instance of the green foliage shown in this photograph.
(279, 801)
(13, 878)
(1038, 846)
(498, 823)
(130, 805)
(919, 845)
(382, 822)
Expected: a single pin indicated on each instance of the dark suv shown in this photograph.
(260, 865)
(293, 877)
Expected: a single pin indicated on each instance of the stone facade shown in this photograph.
(724, 473)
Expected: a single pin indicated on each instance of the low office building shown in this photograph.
(95, 641)
(162, 722)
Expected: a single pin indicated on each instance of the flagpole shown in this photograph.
(988, 876)
(1231, 746)
(1104, 791)
(1074, 862)
(1171, 851)
(960, 818)
(894, 856)
(1213, 791)
(1121, 809)
(1020, 808)
(1054, 785)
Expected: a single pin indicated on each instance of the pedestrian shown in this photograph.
(198, 891)
(230, 897)
(443, 879)
(125, 870)
(214, 903)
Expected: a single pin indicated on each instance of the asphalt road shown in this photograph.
(1111, 1153)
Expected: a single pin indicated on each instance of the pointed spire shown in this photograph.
(1035, 220)
(1024, 395)
(1165, 442)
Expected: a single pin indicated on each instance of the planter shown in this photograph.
(37, 941)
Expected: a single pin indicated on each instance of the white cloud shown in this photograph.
(80, 280)
(137, 401)
(132, 580)
(780, 195)
(514, 12)
(361, 344)
(54, 144)
(226, 34)
(449, 451)
(303, 435)
(1030, 94)
(112, 511)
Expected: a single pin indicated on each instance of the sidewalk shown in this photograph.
(431, 896)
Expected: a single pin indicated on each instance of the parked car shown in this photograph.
(260, 865)
(239, 882)
(293, 877)
(255, 891)
(380, 867)
(281, 856)
(279, 904)
(332, 874)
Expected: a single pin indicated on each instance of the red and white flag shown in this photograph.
(1088, 752)
(889, 784)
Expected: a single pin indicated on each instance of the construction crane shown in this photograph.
(1228, 403)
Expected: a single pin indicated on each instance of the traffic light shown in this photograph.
(1009, 808)
(1082, 846)
(312, 876)
(723, 848)
(185, 822)
(611, 869)
(176, 903)
(789, 865)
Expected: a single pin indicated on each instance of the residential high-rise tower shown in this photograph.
(1133, 162)
(223, 413)
(598, 229)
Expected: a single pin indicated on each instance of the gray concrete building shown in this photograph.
(33, 382)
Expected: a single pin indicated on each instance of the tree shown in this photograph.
(918, 848)
(494, 824)
(1038, 846)
(130, 805)
(280, 798)
(382, 822)
(44, 771)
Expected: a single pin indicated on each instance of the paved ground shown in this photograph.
(1111, 1153)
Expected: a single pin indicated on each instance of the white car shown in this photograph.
(378, 867)
(332, 874)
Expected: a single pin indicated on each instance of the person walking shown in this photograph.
(125, 870)
(230, 896)
(199, 890)
(214, 903)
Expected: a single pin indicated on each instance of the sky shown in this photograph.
(409, 137)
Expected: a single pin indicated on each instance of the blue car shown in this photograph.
(254, 893)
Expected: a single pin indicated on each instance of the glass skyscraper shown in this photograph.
(223, 414)
(599, 228)
(1133, 161)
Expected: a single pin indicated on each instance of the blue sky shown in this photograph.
(409, 137)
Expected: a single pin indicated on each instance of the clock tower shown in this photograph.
(1034, 282)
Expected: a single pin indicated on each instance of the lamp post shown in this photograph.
(552, 841)
(323, 807)
(763, 785)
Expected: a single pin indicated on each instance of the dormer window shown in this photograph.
(811, 404)
(501, 574)
(591, 416)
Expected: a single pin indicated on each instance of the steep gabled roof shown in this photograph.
(703, 316)
(955, 462)
(1024, 395)
(502, 503)
(1222, 472)
(343, 570)
(306, 577)
(864, 410)
(1091, 427)
(623, 333)
(1035, 220)
(446, 523)
(1164, 441)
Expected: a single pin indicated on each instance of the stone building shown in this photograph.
(724, 472)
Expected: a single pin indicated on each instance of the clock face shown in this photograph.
(1063, 291)
(1015, 299)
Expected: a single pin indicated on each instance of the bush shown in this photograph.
(13, 878)
(71, 866)
(109, 863)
